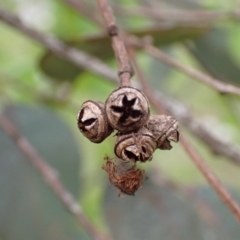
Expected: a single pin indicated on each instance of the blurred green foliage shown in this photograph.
(98, 46)
(45, 111)
(28, 206)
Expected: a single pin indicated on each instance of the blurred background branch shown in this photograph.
(76, 56)
(185, 16)
(50, 176)
(214, 83)
(196, 158)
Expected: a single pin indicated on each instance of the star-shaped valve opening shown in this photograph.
(86, 120)
(136, 146)
(135, 154)
(129, 110)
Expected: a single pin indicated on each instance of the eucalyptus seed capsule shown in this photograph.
(127, 109)
(92, 121)
(138, 146)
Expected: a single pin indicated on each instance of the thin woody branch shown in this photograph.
(132, 40)
(182, 113)
(222, 192)
(213, 82)
(193, 73)
(79, 58)
(49, 175)
(185, 117)
(125, 69)
(187, 16)
(214, 182)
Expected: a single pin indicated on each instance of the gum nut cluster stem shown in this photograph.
(127, 111)
(92, 121)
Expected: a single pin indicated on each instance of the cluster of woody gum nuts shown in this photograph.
(139, 133)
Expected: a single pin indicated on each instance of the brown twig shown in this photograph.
(213, 82)
(215, 144)
(171, 15)
(49, 175)
(218, 146)
(125, 69)
(79, 58)
(222, 192)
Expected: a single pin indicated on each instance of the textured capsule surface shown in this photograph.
(92, 121)
(137, 146)
(164, 129)
(127, 109)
